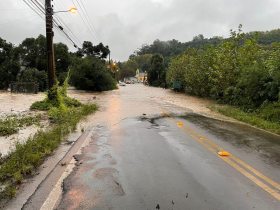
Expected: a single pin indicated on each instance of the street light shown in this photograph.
(72, 10)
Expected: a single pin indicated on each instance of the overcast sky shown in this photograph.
(125, 25)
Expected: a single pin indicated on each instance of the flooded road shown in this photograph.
(149, 149)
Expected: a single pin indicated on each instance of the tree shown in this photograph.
(156, 73)
(141, 62)
(34, 75)
(9, 66)
(238, 71)
(99, 51)
(63, 61)
(62, 57)
(91, 74)
(33, 53)
(198, 38)
(8, 72)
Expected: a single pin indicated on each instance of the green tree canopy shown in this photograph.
(91, 74)
(9, 65)
(100, 51)
(156, 73)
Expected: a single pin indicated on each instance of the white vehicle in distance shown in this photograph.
(122, 83)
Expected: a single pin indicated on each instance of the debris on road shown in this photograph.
(180, 124)
(224, 153)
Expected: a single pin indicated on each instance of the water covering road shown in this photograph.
(145, 152)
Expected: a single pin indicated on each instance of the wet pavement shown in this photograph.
(147, 149)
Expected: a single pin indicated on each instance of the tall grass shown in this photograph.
(11, 124)
(26, 158)
(257, 119)
(64, 114)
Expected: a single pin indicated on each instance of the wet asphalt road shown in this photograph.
(167, 159)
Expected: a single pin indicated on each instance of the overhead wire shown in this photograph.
(94, 29)
(57, 22)
(62, 23)
(84, 19)
(34, 9)
(39, 9)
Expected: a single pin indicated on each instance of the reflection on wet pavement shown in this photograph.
(242, 136)
(137, 159)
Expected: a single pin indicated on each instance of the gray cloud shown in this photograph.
(127, 24)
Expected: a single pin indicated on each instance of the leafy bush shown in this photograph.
(41, 105)
(34, 75)
(57, 98)
(238, 71)
(61, 77)
(270, 112)
(47, 104)
(91, 74)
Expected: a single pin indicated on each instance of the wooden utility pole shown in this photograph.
(50, 48)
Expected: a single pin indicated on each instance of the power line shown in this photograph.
(59, 20)
(34, 9)
(94, 29)
(62, 23)
(86, 22)
(38, 8)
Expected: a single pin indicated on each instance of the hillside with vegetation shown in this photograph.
(242, 71)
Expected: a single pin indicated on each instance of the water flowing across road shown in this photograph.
(149, 148)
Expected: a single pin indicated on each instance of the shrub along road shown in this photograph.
(144, 152)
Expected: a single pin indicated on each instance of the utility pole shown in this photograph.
(50, 48)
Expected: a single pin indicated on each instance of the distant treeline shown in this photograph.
(27, 62)
(242, 70)
(174, 47)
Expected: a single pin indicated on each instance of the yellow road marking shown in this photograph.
(259, 174)
(241, 162)
(257, 181)
(180, 124)
(236, 163)
(236, 159)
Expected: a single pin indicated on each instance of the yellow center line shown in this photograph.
(239, 161)
(259, 174)
(234, 162)
(257, 181)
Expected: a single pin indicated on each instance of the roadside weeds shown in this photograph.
(26, 158)
(253, 119)
(12, 124)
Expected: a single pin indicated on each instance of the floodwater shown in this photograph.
(150, 148)
(144, 154)
(12, 103)
(19, 104)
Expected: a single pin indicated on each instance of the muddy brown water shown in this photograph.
(136, 158)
